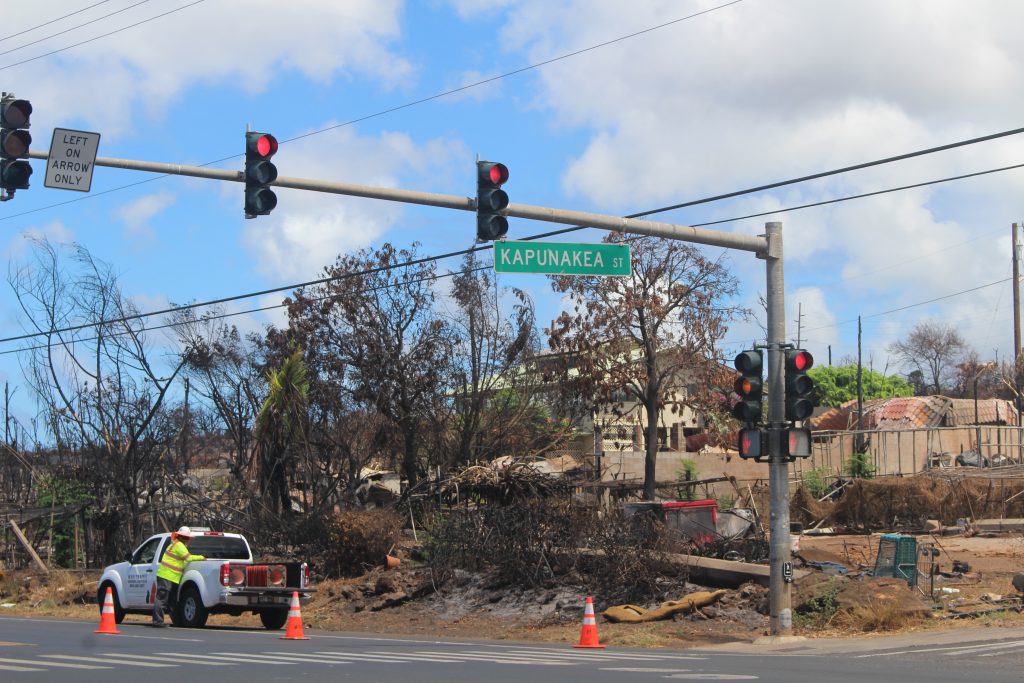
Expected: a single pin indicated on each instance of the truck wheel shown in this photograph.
(101, 595)
(274, 619)
(191, 612)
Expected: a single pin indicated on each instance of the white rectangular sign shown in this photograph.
(71, 161)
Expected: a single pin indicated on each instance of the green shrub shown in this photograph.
(687, 472)
(819, 610)
(817, 481)
(859, 466)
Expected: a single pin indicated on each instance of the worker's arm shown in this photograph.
(193, 558)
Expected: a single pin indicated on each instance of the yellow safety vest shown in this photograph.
(172, 564)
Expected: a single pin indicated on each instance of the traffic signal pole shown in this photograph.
(780, 569)
(767, 246)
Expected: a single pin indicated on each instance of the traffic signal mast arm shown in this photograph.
(757, 244)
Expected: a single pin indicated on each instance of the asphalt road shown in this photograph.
(37, 650)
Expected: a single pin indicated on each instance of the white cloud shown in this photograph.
(812, 304)
(54, 231)
(250, 44)
(308, 230)
(471, 9)
(136, 216)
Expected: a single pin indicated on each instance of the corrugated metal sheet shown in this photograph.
(917, 412)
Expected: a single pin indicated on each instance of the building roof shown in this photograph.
(916, 412)
(991, 411)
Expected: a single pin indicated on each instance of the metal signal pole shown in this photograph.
(779, 555)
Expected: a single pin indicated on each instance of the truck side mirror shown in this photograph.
(128, 557)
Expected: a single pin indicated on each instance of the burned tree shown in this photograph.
(635, 344)
(371, 333)
(101, 390)
(497, 405)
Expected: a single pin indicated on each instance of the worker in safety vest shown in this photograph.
(172, 566)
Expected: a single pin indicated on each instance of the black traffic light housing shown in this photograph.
(799, 386)
(491, 200)
(259, 173)
(15, 118)
(748, 386)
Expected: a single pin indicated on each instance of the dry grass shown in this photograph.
(876, 615)
(907, 502)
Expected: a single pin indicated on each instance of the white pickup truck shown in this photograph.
(226, 582)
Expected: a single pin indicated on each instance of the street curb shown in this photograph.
(778, 640)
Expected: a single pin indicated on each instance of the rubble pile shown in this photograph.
(907, 503)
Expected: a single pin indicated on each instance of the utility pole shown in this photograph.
(1016, 324)
(799, 324)
(767, 246)
(859, 441)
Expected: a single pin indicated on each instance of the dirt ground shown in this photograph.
(404, 601)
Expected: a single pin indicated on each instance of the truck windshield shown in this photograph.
(219, 548)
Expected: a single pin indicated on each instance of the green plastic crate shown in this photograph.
(897, 557)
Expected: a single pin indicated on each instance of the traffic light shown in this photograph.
(490, 200)
(14, 144)
(752, 443)
(748, 386)
(799, 386)
(259, 173)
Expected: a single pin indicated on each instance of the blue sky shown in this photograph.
(750, 93)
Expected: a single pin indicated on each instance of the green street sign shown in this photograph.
(561, 258)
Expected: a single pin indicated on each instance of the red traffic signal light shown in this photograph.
(262, 145)
(799, 360)
(490, 200)
(799, 387)
(259, 173)
(497, 173)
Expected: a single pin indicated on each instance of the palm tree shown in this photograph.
(280, 432)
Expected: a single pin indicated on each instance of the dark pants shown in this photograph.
(166, 597)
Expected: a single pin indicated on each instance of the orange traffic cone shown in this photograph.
(294, 630)
(588, 637)
(107, 622)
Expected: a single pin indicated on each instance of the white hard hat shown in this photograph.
(185, 531)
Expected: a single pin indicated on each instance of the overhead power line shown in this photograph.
(53, 21)
(728, 342)
(110, 33)
(845, 169)
(426, 259)
(862, 196)
(68, 30)
(914, 305)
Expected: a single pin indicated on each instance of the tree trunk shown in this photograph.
(409, 457)
(651, 450)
